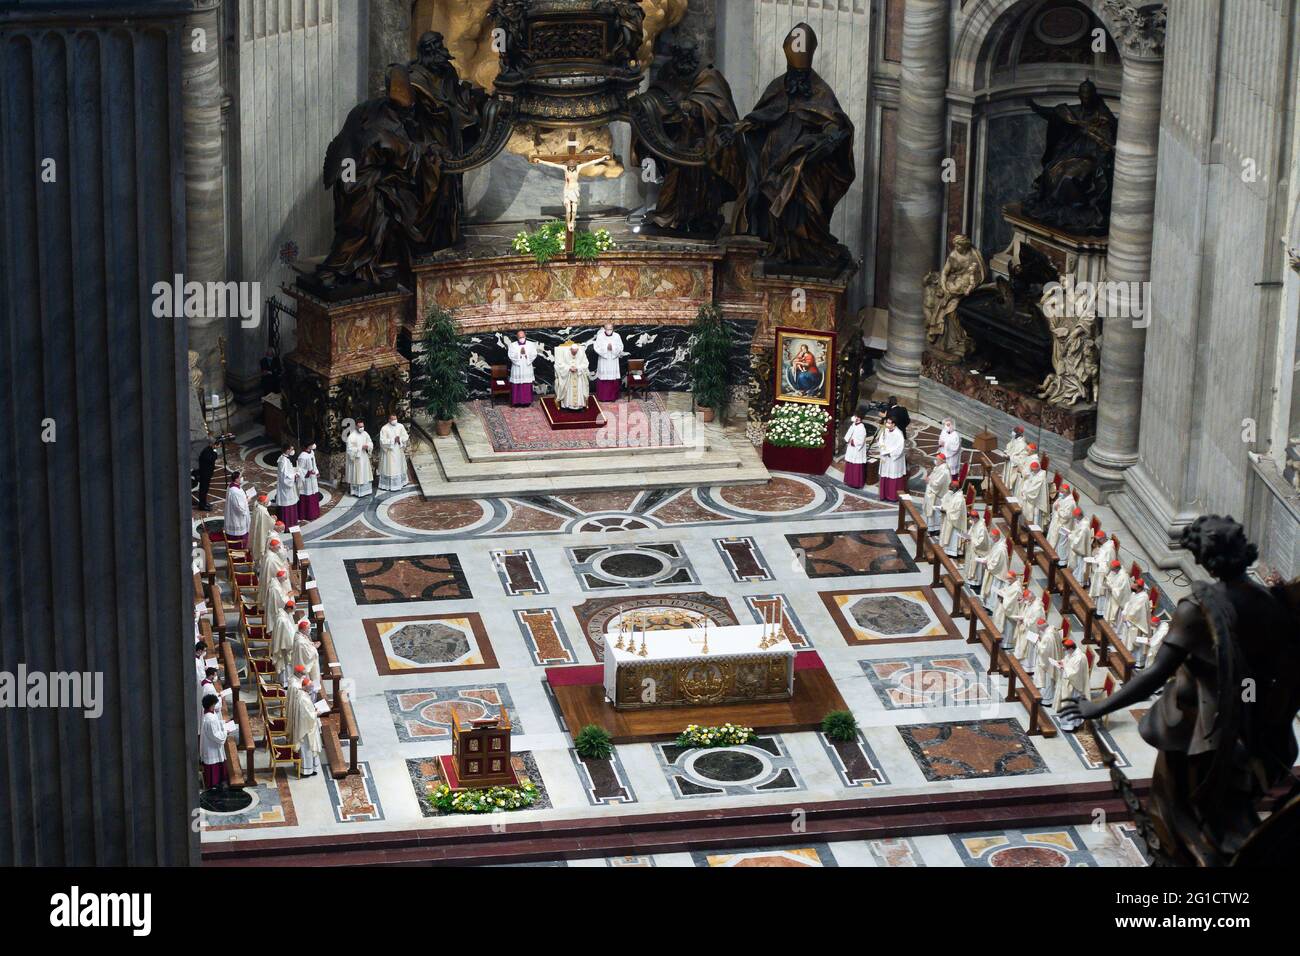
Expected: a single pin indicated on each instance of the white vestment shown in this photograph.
(608, 349)
(274, 560)
(521, 362)
(1014, 449)
(237, 516)
(261, 528)
(976, 547)
(572, 381)
(392, 456)
(308, 475)
(1135, 619)
(1151, 646)
(953, 526)
(212, 739)
(282, 638)
(305, 654)
(1073, 678)
(1033, 496)
(1007, 604)
(1117, 588)
(286, 484)
(893, 454)
(935, 486)
(1099, 563)
(855, 444)
(358, 472)
(995, 567)
(303, 725)
(1062, 509)
(1047, 652)
(950, 445)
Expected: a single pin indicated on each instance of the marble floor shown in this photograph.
(461, 604)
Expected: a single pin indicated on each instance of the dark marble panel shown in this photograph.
(1013, 159)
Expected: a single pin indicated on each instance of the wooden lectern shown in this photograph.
(480, 754)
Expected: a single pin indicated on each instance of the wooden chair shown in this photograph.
(635, 380)
(500, 382)
(285, 754)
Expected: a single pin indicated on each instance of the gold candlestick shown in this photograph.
(643, 652)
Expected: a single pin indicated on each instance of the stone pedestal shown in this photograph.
(346, 366)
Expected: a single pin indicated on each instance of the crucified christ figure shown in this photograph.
(572, 164)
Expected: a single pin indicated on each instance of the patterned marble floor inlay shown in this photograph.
(813, 854)
(971, 749)
(762, 606)
(897, 851)
(518, 572)
(424, 713)
(426, 577)
(782, 494)
(544, 633)
(428, 643)
(1084, 743)
(604, 781)
(606, 567)
(1045, 847)
(272, 806)
(660, 612)
(954, 680)
(844, 554)
(889, 615)
(355, 798)
(763, 766)
(742, 559)
(854, 761)
(435, 514)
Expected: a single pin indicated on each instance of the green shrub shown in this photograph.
(593, 743)
(709, 357)
(443, 363)
(840, 725)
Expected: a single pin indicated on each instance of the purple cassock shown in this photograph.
(607, 389)
(855, 474)
(521, 393)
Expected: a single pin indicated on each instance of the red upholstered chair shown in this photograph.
(285, 753)
(635, 380)
(500, 382)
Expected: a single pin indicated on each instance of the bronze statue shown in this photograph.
(513, 50)
(630, 33)
(1230, 669)
(692, 105)
(1073, 191)
(799, 145)
(447, 109)
(372, 166)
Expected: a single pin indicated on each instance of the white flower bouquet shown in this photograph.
(797, 425)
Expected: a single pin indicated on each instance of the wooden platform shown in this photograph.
(815, 695)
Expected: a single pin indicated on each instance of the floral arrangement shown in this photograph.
(797, 425)
(491, 800)
(548, 242)
(725, 736)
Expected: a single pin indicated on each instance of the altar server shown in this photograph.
(855, 453)
(936, 484)
(357, 472)
(303, 725)
(393, 441)
(893, 462)
(212, 743)
(309, 477)
(950, 445)
(286, 487)
(608, 346)
(237, 515)
(522, 353)
(572, 377)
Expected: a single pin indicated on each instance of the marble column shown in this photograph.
(1128, 261)
(918, 191)
(205, 202)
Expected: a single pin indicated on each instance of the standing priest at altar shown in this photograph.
(572, 376)
(522, 353)
(608, 346)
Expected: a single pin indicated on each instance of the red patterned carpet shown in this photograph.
(634, 423)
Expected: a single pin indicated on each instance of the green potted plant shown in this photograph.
(593, 743)
(840, 725)
(709, 360)
(443, 362)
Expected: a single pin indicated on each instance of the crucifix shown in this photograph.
(572, 162)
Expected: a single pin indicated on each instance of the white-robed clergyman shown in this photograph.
(936, 484)
(522, 353)
(260, 529)
(237, 515)
(608, 346)
(308, 484)
(978, 546)
(893, 461)
(950, 445)
(304, 653)
(855, 454)
(393, 442)
(1074, 675)
(572, 377)
(303, 726)
(357, 472)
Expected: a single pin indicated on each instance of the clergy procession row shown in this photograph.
(280, 649)
(572, 369)
(1032, 631)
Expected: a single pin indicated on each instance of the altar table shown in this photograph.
(676, 672)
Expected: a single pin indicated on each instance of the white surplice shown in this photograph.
(608, 349)
(358, 472)
(393, 441)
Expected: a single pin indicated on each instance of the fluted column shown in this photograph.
(918, 190)
(205, 245)
(1128, 261)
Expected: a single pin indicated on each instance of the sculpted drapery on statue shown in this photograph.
(392, 198)
(1220, 748)
(1075, 361)
(963, 272)
(799, 145)
(1073, 191)
(693, 105)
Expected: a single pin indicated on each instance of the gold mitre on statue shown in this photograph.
(799, 46)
